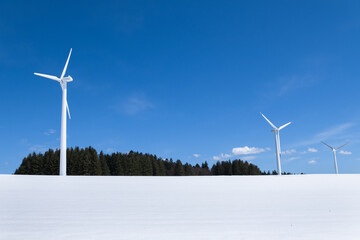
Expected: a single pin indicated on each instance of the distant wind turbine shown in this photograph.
(334, 153)
(277, 141)
(63, 83)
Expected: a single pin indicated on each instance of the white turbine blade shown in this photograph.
(284, 126)
(327, 145)
(67, 107)
(47, 76)
(66, 64)
(269, 121)
(342, 146)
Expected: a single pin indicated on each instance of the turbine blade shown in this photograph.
(47, 76)
(342, 146)
(269, 121)
(67, 107)
(327, 145)
(284, 126)
(66, 64)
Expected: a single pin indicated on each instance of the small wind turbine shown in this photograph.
(334, 152)
(63, 83)
(277, 141)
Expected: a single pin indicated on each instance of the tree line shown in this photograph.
(86, 161)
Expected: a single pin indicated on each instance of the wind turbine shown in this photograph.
(334, 152)
(65, 107)
(277, 141)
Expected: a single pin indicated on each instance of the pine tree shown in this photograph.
(104, 166)
(188, 170)
(205, 169)
(88, 162)
(179, 169)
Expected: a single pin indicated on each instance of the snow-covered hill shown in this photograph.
(234, 207)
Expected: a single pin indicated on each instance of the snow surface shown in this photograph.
(233, 207)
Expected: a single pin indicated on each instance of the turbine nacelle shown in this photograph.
(67, 79)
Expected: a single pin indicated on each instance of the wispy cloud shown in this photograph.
(292, 83)
(288, 152)
(292, 159)
(196, 155)
(312, 162)
(345, 152)
(38, 148)
(134, 105)
(222, 156)
(249, 158)
(49, 132)
(109, 150)
(312, 150)
(6, 163)
(329, 133)
(334, 131)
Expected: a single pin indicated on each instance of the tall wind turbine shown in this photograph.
(277, 141)
(334, 153)
(63, 83)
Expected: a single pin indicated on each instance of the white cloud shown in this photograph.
(49, 132)
(222, 156)
(288, 152)
(291, 83)
(334, 131)
(196, 155)
(242, 151)
(248, 158)
(247, 150)
(331, 132)
(345, 152)
(6, 163)
(312, 162)
(292, 159)
(38, 148)
(134, 105)
(313, 150)
(110, 150)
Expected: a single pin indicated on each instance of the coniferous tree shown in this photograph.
(188, 170)
(179, 169)
(146, 165)
(169, 167)
(88, 162)
(227, 166)
(162, 169)
(205, 169)
(104, 166)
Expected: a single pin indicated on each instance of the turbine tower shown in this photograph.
(65, 107)
(334, 153)
(277, 141)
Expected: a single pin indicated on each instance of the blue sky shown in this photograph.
(184, 79)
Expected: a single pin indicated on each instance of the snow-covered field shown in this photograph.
(236, 207)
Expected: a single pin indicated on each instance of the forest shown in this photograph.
(87, 161)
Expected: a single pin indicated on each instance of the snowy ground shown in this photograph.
(257, 207)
